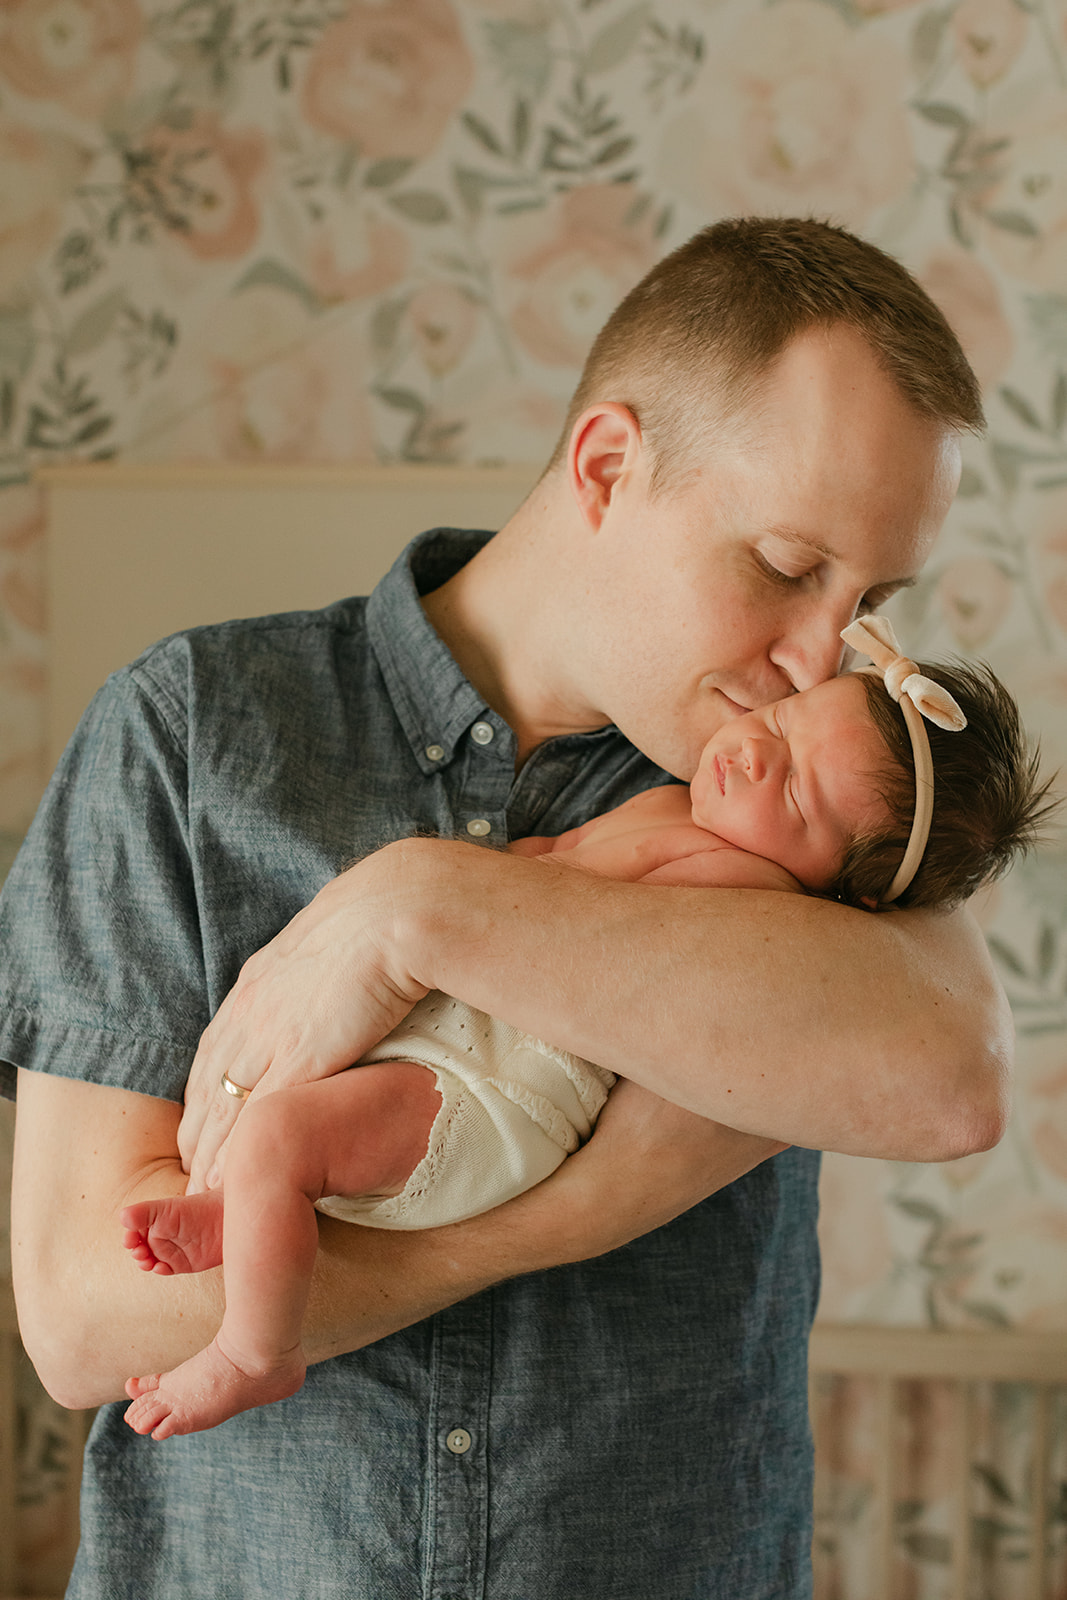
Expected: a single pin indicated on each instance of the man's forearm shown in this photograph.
(783, 1015)
(90, 1318)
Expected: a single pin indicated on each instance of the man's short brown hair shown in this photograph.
(696, 338)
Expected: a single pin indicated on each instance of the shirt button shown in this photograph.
(478, 827)
(459, 1441)
(434, 752)
(483, 733)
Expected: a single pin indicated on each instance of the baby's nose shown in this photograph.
(755, 753)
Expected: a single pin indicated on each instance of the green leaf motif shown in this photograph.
(94, 325)
(616, 42)
(1005, 956)
(482, 132)
(926, 1546)
(613, 151)
(18, 342)
(1022, 408)
(522, 54)
(922, 1210)
(421, 205)
(272, 274)
(380, 174)
(981, 1311)
(993, 1482)
(385, 325)
(1014, 222)
(1059, 402)
(926, 39)
(944, 115)
(403, 400)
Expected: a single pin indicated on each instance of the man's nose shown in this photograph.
(812, 652)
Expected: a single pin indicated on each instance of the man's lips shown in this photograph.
(720, 774)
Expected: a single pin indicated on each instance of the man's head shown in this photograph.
(691, 346)
(764, 445)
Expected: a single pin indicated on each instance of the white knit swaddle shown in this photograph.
(512, 1107)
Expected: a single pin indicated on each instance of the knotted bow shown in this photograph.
(918, 697)
(874, 637)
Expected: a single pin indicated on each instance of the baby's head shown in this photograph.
(824, 783)
(988, 800)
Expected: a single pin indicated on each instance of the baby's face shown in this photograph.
(796, 780)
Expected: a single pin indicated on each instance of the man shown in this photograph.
(763, 446)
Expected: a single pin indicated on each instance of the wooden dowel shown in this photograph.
(885, 1490)
(961, 1448)
(1039, 1493)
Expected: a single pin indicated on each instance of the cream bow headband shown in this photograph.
(917, 697)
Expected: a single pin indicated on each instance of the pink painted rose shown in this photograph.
(507, 417)
(443, 321)
(208, 174)
(273, 383)
(38, 171)
(988, 35)
(796, 113)
(389, 76)
(364, 258)
(974, 595)
(969, 297)
(79, 53)
(1024, 201)
(570, 267)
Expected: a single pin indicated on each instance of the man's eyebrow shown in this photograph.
(782, 530)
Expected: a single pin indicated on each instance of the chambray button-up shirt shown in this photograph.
(627, 1428)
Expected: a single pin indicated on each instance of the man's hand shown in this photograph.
(307, 1005)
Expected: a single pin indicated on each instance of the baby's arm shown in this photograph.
(653, 839)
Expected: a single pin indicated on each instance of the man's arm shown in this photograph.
(778, 1014)
(90, 1318)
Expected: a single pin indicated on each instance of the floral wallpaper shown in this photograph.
(387, 230)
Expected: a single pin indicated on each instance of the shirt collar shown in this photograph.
(433, 700)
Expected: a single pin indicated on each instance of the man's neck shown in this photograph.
(503, 616)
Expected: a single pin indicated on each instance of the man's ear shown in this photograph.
(605, 444)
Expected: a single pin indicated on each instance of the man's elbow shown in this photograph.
(56, 1350)
(977, 1113)
(60, 1345)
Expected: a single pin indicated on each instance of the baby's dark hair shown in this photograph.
(989, 801)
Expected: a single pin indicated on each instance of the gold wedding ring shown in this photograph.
(234, 1088)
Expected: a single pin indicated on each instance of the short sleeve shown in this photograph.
(101, 965)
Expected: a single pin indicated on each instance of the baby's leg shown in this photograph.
(360, 1132)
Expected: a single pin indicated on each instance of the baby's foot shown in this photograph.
(206, 1390)
(180, 1234)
